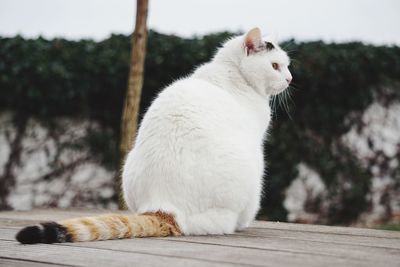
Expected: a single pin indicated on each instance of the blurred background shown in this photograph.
(334, 147)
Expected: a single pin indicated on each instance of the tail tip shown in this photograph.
(29, 235)
(48, 232)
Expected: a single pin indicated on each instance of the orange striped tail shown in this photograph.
(104, 227)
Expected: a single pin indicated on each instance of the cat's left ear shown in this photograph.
(253, 41)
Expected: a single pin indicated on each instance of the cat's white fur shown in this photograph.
(199, 149)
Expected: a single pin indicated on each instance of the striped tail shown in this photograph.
(104, 227)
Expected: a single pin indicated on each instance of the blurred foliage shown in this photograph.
(390, 227)
(334, 83)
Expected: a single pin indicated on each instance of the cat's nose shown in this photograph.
(289, 80)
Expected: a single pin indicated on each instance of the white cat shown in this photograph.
(197, 164)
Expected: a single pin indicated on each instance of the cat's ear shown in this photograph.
(253, 41)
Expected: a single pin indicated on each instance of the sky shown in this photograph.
(370, 21)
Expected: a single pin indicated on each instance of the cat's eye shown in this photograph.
(275, 66)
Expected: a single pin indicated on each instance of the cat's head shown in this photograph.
(263, 63)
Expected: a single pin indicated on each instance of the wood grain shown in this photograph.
(264, 244)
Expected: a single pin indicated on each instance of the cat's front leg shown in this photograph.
(249, 213)
(216, 221)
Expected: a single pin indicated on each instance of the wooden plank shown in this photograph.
(57, 214)
(52, 214)
(326, 229)
(232, 251)
(318, 236)
(368, 255)
(8, 234)
(206, 255)
(323, 238)
(247, 250)
(27, 263)
(265, 244)
(88, 257)
(15, 223)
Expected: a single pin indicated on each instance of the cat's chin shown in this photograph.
(276, 91)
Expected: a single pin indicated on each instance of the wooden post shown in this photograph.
(135, 82)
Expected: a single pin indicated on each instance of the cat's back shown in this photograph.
(191, 92)
(189, 103)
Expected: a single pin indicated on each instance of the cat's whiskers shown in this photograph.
(286, 104)
(283, 99)
(274, 105)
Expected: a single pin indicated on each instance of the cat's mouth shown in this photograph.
(278, 88)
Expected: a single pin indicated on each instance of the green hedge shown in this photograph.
(334, 83)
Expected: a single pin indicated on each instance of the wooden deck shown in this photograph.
(264, 244)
